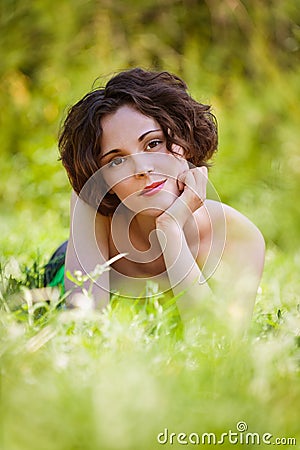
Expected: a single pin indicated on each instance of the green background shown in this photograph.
(241, 57)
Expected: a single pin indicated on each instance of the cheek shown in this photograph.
(123, 189)
(116, 177)
(171, 165)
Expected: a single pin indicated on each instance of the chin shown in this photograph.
(151, 206)
(152, 212)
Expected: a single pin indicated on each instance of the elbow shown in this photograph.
(260, 250)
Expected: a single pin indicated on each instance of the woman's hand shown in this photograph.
(181, 264)
(192, 184)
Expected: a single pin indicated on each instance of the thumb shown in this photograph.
(180, 186)
(180, 181)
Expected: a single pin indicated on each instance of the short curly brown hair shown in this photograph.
(159, 95)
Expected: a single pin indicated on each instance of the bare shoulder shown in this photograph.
(87, 216)
(241, 229)
(238, 226)
(88, 233)
(244, 243)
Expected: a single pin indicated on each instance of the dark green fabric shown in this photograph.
(55, 268)
(58, 279)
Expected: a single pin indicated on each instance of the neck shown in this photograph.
(141, 234)
(143, 225)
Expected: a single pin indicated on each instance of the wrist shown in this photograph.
(166, 222)
(170, 237)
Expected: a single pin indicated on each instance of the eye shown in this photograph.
(116, 161)
(154, 143)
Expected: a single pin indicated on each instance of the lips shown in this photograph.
(153, 188)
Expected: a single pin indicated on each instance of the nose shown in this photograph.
(143, 164)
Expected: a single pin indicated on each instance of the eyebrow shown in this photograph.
(140, 139)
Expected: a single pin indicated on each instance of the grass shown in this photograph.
(76, 379)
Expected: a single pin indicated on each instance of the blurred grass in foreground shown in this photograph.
(82, 380)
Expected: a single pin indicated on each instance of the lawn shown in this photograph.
(76, 379)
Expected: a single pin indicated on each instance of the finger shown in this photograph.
(201, 176)
(194, 179)
(204, 171)
(201, 183)
(197, 182)
(190, 179)
(182, 176)
(180, 185)
(190, 186)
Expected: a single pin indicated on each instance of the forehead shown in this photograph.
(124, 125)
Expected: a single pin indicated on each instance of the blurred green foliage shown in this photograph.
(240, 56)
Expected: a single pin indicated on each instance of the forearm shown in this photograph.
(185, 276)
(83, 253)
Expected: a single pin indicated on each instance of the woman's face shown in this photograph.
(136, 164)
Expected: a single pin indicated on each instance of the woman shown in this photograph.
(136, 153)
